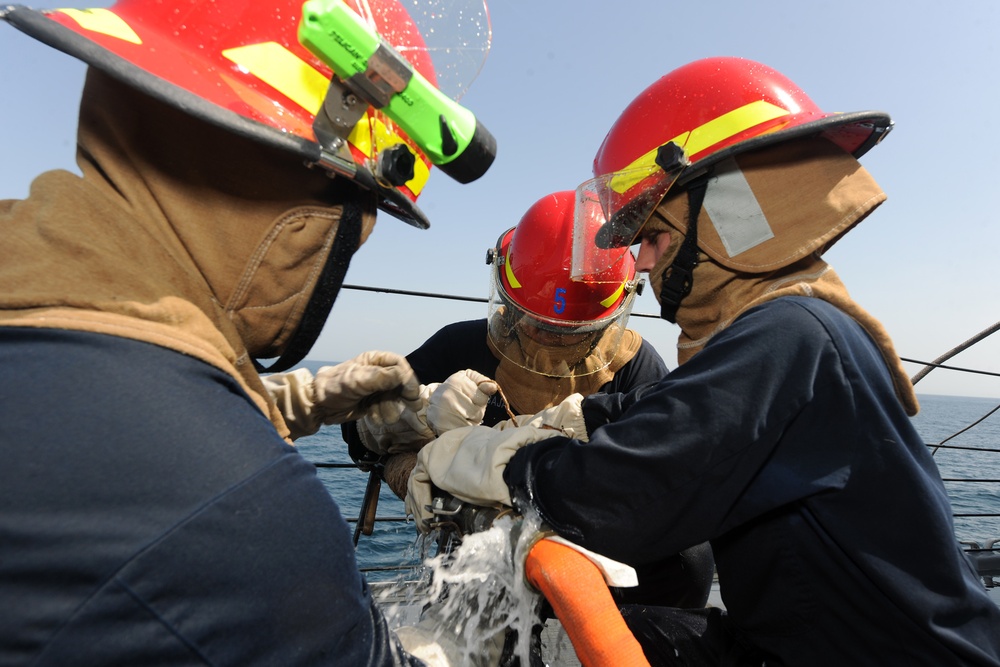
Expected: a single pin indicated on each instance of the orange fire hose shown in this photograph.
(583, 604)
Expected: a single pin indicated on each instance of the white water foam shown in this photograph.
(472, 595)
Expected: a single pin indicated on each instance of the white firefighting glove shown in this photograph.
(469, 462)
(460, 401)
(566, 417)
(372, 383)
(407, 434)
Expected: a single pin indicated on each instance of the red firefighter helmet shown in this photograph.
(241, 65)
(533, 294)
(713, 108)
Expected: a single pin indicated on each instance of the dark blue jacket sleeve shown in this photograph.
(678, 455)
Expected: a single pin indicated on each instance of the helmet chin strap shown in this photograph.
(679, 276)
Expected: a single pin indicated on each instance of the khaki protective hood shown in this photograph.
(530, 392)
(771, 208)
(179, 233)
(766, 220)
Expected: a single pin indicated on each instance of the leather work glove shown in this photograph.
(460, 401)
(407, 434)
(566, 417)
(374, 383)
(469, 462)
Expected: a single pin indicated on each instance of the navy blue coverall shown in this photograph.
(151, 515)
(783, 444)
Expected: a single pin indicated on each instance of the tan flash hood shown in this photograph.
(768, 209)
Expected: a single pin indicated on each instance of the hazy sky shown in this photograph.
(557, 78)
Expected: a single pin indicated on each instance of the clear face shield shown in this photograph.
(612, 209)
(557, 347)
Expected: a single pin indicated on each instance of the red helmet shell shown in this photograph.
(717, 107)
(535, 266)
(241, 57)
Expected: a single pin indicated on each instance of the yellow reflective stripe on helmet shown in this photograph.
(509, 272)
(732, 123)
(299, 81)
(610, 301)
(694, 141)
(361, 138)
(284, 71)
(103, 21)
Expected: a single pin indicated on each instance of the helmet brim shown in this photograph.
(855, 132)
(38, 25)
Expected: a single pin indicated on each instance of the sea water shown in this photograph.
(970, 470)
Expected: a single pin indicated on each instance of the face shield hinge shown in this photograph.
(671, 158)
(340, 163)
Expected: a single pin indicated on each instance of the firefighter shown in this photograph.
(154, 511)
(783, 437)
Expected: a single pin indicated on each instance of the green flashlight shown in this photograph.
(448, 133)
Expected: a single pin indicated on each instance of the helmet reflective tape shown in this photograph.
(509, 272)
(702, 137)
(103, 21)
(284, 71)
(607, 303)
